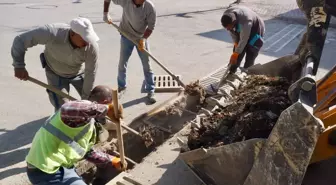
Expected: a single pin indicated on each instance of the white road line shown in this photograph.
(280, 38)
(278, 33)
(288, 41)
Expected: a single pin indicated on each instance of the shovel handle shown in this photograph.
(119, 131)
(150, 55)
(51, 88)
(64, 95)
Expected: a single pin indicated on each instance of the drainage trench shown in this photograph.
(170, 117)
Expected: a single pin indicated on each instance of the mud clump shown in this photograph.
(256, 106)
(196, 90)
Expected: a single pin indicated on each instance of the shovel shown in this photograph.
(64, 95)
(226, 73)
(150, 55)
(119, 131)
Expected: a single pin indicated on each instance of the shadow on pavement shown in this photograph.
(11, 172)
(13, 157)
(21, 136)
(134, 102)
(11, 140)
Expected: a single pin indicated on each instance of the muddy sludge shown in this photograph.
(255, 108)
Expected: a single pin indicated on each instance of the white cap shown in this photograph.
(83, 27)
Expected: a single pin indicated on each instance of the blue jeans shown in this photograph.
(63, 176)
(126, 48)
(62, 84)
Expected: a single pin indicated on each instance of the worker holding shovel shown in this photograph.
(247, 30)
(67, 48)
(67, 137)
(138, 22)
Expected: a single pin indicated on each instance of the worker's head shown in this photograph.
(82, 33)
(138, 2)
(229, 21)
(101, 94)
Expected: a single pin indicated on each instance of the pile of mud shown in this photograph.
(196, 90)
(255, 108)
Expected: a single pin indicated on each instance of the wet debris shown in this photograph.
(254, 109)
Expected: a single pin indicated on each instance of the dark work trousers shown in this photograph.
(251, 53)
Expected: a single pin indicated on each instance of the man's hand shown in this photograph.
(21, 73)
(234, 58)
(110, 113)
(117, 164)
(107, 18)
(141, 45)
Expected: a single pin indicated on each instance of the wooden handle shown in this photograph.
(119, 131)
(64, 95)
(51, 88)
(150, 55)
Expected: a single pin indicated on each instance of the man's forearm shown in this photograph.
(89, 79)
(147, 33)
(106, 6)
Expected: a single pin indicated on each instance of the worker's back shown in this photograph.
(244, 14)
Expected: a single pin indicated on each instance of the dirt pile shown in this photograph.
(196, 90)
(256, 106)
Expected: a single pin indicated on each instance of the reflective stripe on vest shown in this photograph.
(66, 139)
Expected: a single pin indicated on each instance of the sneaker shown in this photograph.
(120, 89)
(151, 98)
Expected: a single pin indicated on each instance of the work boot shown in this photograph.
(151, 98)
(120, 89)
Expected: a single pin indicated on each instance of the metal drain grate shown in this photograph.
(166, 83)
(214, 78)
(124, 179)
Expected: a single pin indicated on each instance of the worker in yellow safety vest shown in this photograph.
(67, 137)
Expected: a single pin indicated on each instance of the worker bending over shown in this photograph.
(67, 48)
(247, 30)
(67, 137)
(138, 22)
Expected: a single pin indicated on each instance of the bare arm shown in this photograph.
(107, 5)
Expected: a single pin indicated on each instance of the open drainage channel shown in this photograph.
(163, 121)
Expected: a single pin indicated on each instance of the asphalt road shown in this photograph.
(188, 39)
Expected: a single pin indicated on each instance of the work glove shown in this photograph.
(107, 18)
(21, 73)
(234, 58)
(141, 44)
(116, 163)
(110, 113)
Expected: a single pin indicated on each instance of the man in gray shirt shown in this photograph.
(67, 48)
(247, 30)
(138, 22)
